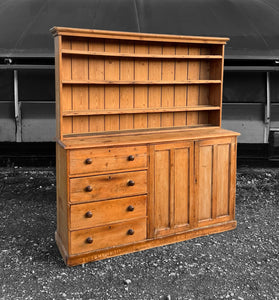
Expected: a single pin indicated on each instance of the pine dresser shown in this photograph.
(142, 160)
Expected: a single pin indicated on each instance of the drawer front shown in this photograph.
(107, 159)
(108, 236)
(104, 212)
(108, 186)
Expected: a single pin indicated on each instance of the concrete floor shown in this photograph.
(239, 264)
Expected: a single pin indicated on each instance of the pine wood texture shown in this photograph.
(91, 256)
(62, 196)
(107, 212)
(144, 137)
(108, 236)
(172, 188)
(105, 34)
(215, 171)
(142, 160)
(108, 159)
(120, 83)
(108, 186)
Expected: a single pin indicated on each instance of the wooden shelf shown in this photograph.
(108, 85)
(142, 55)
(137, 82)
(144, 136)
(139, 110)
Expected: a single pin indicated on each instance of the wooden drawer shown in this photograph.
(108, 186)
(108, 236)
(104, 212)
(107, 159)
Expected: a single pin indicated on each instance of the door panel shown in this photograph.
(215, 166)
(162, 189)
(205, 182)
(223, 168)
(171, 187)
(181, 186)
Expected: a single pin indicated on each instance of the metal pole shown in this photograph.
(267, 111)
(17, 109)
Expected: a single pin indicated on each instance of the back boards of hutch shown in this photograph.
(142, 160)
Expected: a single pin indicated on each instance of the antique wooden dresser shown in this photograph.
(142, 160)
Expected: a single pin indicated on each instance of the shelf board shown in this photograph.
(137, 82)
(149, 110)
(136, 55)
(137, 137)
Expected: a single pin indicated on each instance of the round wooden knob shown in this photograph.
(131, 183)
(88, 161)
(130, 208)
(89, 188)
(131, 158)
(89, 214)
(130, 232)
(89, 240)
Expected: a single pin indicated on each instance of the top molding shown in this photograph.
(66, 31)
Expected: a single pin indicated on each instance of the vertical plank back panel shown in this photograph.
(206, 49)
(204, 90)
(80, 92)
(215, 98)
(111, 91)
(155, 92)
(193, 90)
(127, 72)
(168, 71)
(141, 92)
(66, 97)
(97, 92)
(181, 73)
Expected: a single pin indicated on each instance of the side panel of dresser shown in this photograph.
(62, 235)
(215, 178)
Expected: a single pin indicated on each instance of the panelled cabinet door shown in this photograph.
(215, 173)
(171, 188)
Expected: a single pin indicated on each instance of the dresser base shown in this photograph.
(73, 260)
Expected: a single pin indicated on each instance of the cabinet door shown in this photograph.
(215, 174)
(171, 179)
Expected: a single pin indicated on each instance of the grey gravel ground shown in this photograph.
(239, 264)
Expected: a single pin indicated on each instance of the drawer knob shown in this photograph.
(88, 161)
(89, 240)
(89, 188)
(89, 214)
(130, 208)
(131, 183)
(130, 232)
(131, 158)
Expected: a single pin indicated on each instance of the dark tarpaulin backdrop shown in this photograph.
(252, 25)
